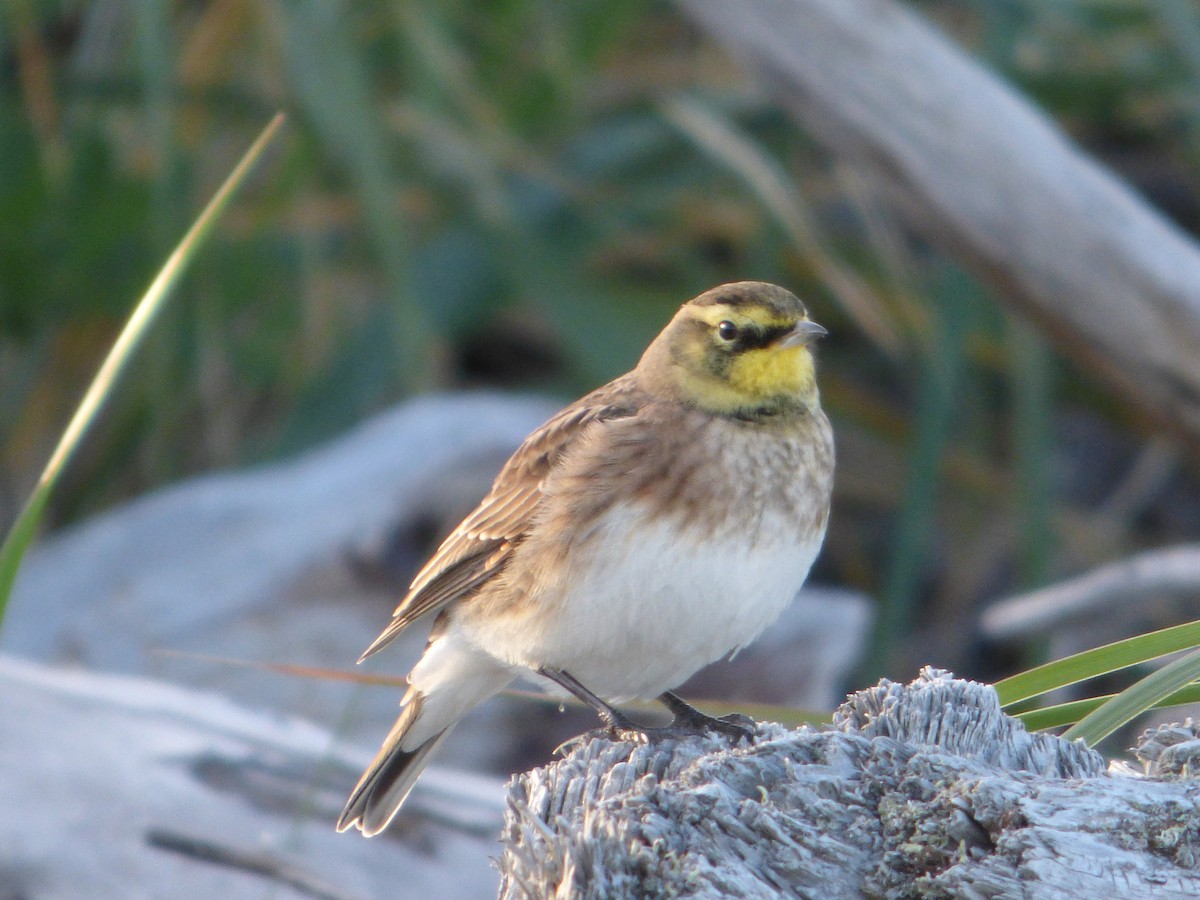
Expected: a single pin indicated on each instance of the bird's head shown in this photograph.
(740, 349)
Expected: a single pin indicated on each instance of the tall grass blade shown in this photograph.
(1134, 701)
(1069, 713)
(101, 388)
(1100, 661)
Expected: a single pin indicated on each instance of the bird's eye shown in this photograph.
(727, 331)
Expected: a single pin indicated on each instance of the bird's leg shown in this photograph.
(615, 720)
(688, 718)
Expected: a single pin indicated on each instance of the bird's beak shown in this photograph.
(803, 332)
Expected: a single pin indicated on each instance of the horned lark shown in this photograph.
(650, 528)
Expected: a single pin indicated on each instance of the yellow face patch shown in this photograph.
(727, 378)
(772, 372)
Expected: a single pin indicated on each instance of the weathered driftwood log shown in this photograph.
(1136, 580)
(978, 168)
(924, 790)
(117, 787)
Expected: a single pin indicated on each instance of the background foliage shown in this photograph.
(518, 194)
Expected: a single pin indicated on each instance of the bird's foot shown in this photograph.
(629, 732)
(644, 734)
(618, 726)
(571, 743)
(691, 720)
(735, 725)
(688, 722)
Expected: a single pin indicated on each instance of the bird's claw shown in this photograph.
(570, 744)
(735, 726)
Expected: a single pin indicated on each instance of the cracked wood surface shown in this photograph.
(923, 790)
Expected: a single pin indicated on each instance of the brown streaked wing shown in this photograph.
(480, 546)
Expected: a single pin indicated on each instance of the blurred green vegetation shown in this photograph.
(518, 194)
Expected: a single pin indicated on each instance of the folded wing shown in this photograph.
(479, 548)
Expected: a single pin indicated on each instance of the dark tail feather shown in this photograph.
(382, 790)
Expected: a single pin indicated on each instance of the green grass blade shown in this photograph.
(1100, 661)
(99, 391)
(1130, 703)
(1069, 713)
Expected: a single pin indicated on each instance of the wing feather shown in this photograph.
(478, 549)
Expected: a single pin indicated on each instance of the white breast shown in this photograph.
(657, 606)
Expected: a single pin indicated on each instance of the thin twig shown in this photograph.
(255, 862)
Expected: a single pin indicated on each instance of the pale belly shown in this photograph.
(656, 607)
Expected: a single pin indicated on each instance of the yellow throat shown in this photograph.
(763, 374)
(757, 378)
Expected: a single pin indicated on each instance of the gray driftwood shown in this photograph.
(924, 790)
(263, 565)
(1135, 581)
(119, 787)
(977, 167)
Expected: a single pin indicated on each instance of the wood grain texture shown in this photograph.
(920, 790)
(977, 168)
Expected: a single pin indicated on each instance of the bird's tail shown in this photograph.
(451, 679)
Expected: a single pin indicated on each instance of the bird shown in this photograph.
(657, 524)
